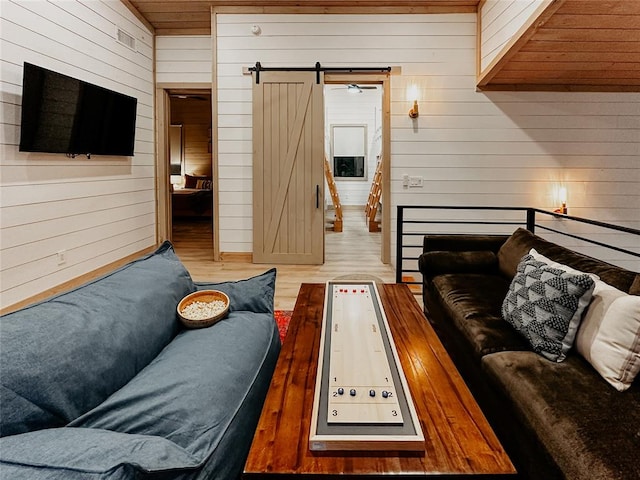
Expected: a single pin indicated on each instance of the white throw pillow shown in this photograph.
(609, 334)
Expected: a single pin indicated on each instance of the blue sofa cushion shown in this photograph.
(191, 393)
(66, 355)
(254, 294)
(87, 454)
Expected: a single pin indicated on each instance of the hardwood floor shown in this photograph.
(354, 251)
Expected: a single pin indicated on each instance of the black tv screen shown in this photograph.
(61, 114)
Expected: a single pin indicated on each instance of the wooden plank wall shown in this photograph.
(194, 114)
(99, 210)
(500, 20)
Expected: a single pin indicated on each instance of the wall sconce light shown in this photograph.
(562, 198)
(413, 113)
(413, 95)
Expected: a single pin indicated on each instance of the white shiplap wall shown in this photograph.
(97, 211)
(500, 20)
(471, 148)
(434, 44)
(183, 59)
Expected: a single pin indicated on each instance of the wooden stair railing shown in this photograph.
(371, 208)
(335, 198)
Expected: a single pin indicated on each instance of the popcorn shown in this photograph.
(203, 310)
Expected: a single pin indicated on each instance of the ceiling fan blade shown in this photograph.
(354, 87)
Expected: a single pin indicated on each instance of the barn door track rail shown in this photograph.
(318, 68)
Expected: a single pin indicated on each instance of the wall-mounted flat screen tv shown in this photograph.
(61, 114)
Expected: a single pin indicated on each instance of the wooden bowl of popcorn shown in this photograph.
(203, 308)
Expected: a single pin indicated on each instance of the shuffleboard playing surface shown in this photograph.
(362, 388)
(362, 401)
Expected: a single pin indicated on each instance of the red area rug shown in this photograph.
(283, 317)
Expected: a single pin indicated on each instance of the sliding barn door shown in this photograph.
(288, 176)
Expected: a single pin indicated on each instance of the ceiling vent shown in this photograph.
(125, 39)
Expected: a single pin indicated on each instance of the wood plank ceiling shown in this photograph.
(192, 17)
(575, 45)
(591, 45)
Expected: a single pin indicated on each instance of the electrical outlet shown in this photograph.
(405, 180)
(415, 181)
(62, 257)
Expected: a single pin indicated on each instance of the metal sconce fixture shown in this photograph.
(413, 113)
(412, 93)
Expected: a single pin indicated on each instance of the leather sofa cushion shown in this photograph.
(462, 243)
(591, 429)
(521, 241)
(473, 303)
(438, 262)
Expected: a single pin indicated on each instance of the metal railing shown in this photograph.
(410, 229)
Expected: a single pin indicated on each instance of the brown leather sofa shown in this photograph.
(555, 419)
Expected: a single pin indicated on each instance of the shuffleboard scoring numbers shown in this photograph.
(362, 389)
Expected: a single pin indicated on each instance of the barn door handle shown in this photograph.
(317, 196)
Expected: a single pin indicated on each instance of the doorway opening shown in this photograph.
(189, 169)
(356, 137)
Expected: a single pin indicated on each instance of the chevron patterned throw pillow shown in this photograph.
(545, 305)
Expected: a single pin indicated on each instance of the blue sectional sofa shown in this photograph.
(102, 382)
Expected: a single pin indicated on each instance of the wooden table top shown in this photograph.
(458, 438)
